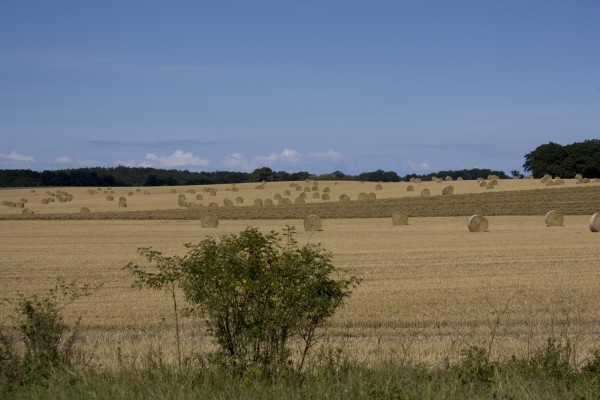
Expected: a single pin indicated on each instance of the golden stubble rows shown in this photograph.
(430, 288)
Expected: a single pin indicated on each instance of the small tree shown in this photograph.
(256, 293)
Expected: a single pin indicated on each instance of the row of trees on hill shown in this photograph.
(565, 161)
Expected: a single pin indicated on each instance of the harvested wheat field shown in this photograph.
(430, 288)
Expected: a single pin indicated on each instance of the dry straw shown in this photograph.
(477, 223)
(399, 218)
(312, 223)
(578, 176)
(554, 218)
(594, 223)
(425, 193)
(344, 198)
(209, 220)
(448, 190)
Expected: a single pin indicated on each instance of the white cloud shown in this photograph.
(236, 161)
(287, 157)
(417, 166)
(13, 156)
(179, 158)
(63, 160)
(330, 155)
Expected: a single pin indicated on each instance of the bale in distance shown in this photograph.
(12, 204)
(85, 210)
(325, 197)
(239, 200)
(554, 218)
(410, 188)
(20, 204)
(482, 184)
(258, 202)
(578, 176)
(130, 193)
(182, 203)
(378, 187)
(268, 202)
(44, 201)
(299, 200)
(209, 220)
(344, 198)
(372, 196)
(316, 195)
(594, 223)
(425, 193)
(284, 201)
(212, 193)
(448, 178)
(489, 185)
(448, 190)
(326, 189)
(477, 223)
(287, 193)
(315, 188)
(213, 205)
(363, 197)
(181, 196)
(312, 223)
(307, 189)
(51, 200)
(199, 197)
(27, 212)
(460, 178)
(110, 198)
(123, 202)
(173, 191)
(439, 180)
(228, 203)
(399, 218)
(303, 195)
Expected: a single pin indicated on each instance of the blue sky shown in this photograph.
(409, 86)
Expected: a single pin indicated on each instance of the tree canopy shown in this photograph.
(565, 161)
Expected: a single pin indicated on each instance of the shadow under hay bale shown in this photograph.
(209, 220)
(399, 218)
(554, 218)
(477, 223)
(312, 223)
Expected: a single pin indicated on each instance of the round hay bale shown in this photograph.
(239, 200)
(448, 178)
(494, 182)
(287, 193)
(372, 196)
(27, 212)
(578, 176)
(363, 197)
(325, 197)
(344, 198)
(417, 180)
(227, 203)
(434, 178)
(284, 201)
(378, 187)
(410, 188)
(298, 188)
(234, 189)
(258, 202)
(412, 180)
(477, 223)
(594, 223)
(439, 180)
(24, 200)
(315, 188)
(546, 178)
(326, 189)
(206, 189)
(299, 200)
(293, 184)
(91, 192)
(138, 190)
(268, 202)
(425, 193)
(199, 197)
(213, 205)
(123, 203)
(559, 182)
(549, 183)
(212, 193)
(110, 198)
(20, 204)
(44, 201)
(209, 220)
(85, 210)
(399, 218)
(479, 180)
(191, 204)
(277, 196)
(312, 223)
(554, 218)
(460, 178)
(316, 195)
(303, 195)
(489, 185)
(307, 189)
(448, 190)
(482, 184)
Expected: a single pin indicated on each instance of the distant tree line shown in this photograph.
(565, 161)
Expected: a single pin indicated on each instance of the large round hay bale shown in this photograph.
(303, 195)
(20, 204)
(578, 176)
(344, 198)
(434, 178)
(425, 193)
(123, 202)
(363, 197)
(312, 223)
(212, 193)
(91, 192)
(448, 178)
(209, 220)
(299, 200)
(85, 210)
(11, 204)
(477, 223)
(559, 182)
(138, 190)
(181, 196)
(490, 185)
(594, 223)
(460, 178)
(316, 195)
(378, 187)
(482, 184)
(227, 203)
(439, 180)
(199, 197)
(448, 190)
(479, 180)
(326, 189)
(412, 180)
(110, 198)
(239, 200)
(314, 188)
(494, 182)
(554, 218)
(417, 180)
(258, 202)
(284, 201)
(213, 205)
(399, 218)
(287, 193)
(268, 202)
(277, 196)
(307, 189)
(325, 197)
(372, 196)
(579, 181)
(550, 183)
(234, 189)
(410, 188)
(27, 212)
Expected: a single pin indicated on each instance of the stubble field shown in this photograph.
(430, 288)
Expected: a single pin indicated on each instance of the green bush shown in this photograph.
(255, 293)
